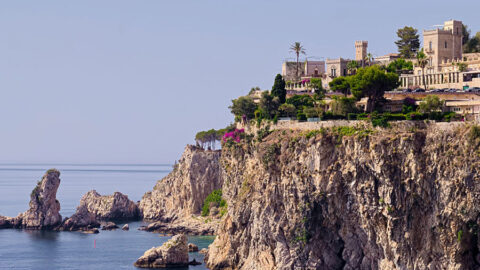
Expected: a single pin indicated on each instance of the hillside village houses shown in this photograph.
(443, 47)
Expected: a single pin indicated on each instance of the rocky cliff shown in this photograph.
(44, 206)
(182, 192)
(352, 198)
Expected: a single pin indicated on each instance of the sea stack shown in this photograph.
(44, 206)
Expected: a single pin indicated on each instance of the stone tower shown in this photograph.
(443, 45)
(360, 50)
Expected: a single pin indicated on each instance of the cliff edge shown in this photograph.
(352, 198)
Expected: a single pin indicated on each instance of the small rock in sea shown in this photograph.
(194, 262)
(109, 226)
(173, 253)
(203, 251)
(92, 231)
(125, 227)
(192, 247)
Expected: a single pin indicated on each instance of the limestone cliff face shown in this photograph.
(44, 206)
(182, 192)
(399, 198)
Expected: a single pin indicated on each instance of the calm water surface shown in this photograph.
(118, 249)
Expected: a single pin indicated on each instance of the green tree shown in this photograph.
(472, 45)
(466, 34)
(318, 87)
(408, 43)
(287, 110)
(431, 103)
(300, 101)
(399, 65)
(372, 82)
(352, 67)
(369, 59)
(278, 88)
(243, 106)
(422, 62)
(298, 49)
(269, 105)
(253, 89)
(343, 105)
(340, 84)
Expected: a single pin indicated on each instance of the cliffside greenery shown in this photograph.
(214, 199)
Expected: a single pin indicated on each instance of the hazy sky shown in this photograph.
(133, 81)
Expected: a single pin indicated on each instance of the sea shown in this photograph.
(23, 249)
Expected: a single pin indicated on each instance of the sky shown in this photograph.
(133, 81)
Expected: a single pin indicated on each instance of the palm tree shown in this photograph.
(422, 61)
(297, 49)
(352, 67)
(369, 59)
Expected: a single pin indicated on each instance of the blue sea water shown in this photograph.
(22, 249)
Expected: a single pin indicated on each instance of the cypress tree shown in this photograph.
(278, 88)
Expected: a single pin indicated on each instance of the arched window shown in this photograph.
(446, 45)
(430, 45)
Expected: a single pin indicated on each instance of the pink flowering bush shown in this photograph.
(233, 135)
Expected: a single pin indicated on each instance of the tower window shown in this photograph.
(446, 45)
(430, 45)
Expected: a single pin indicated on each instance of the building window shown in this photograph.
(430, 45)
(334, 72)
(344, 72)
(446, 45)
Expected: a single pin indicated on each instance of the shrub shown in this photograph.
(352, 116)
(301, 116)
(362, 116)
(379, 120)
(416, 116)
(395, 116)
(214, 198)
(474, 133)
(447, 117)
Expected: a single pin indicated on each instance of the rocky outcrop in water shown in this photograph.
(345, 198)
(173, 253)
(116, 206)
(44, 206)
(95, 207)
(181, 194)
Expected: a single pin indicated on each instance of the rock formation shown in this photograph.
(181, 194)
(352, 198)
(173, 253)
(95, 207)
(44, 206)
(109, 226)
(126, 227)
(192, 247)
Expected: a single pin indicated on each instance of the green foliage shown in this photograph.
(462, 67)
(459, 235)
(210, 137)
(301, 116)
(53, 170)
(474, 133)
(287, 110)
(352, 67)
(341, 84)
(243, 106)
(270, 154)
(399, 65)
(313, 133)
(300, 101)
(278, 89)
(372, 82)
(269, 105)
(351, 116)
(408, 42)
(263, 132)
(318, 87)
(253, 89)
(470, 45)
(343, 105)
(378, 120)
(213, 199)
(431, 103)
